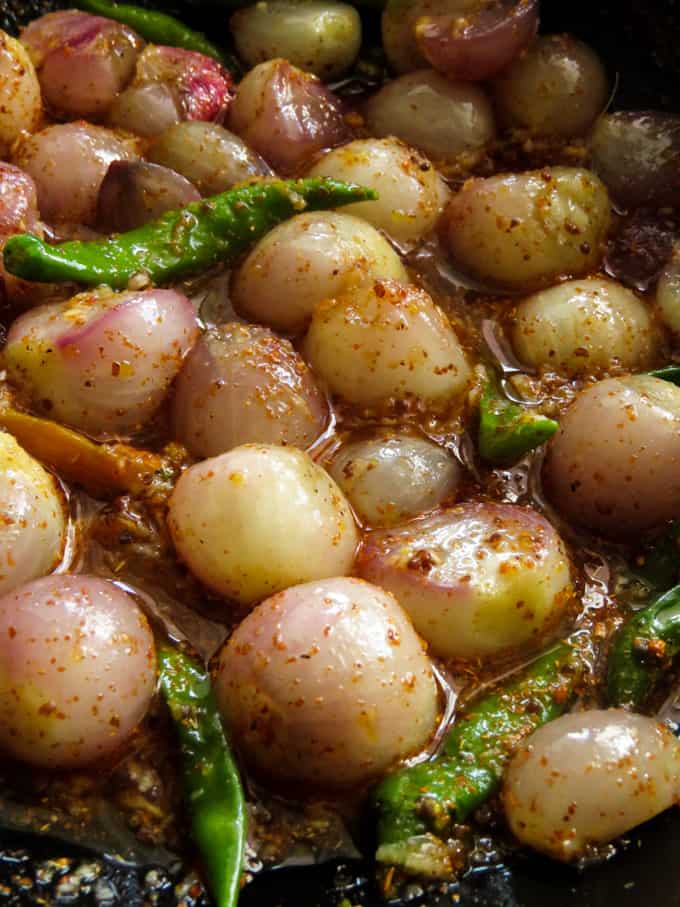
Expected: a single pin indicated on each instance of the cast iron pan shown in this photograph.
(641, 43)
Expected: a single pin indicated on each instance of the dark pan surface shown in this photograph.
(641, 43)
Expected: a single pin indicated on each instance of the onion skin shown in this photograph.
(488, 40)
(614, 464)
(213, 158)
(146, 110)
(78, 670)
(68, 163)
(439, 117)
(286, 115)
(584, 327)
(586, 778)
(320, 36)
(327, 684)
(242, 384)
(558, 87)
(20, 96)
(478, 580)
(384, 342)
(34, 522)
(411, 193)
(394, 477)
(637, 156)
(259, 519)
(520, 232)
(102, 362)
(135, 192)
(18, 202)
(309, 258)
(83, 61)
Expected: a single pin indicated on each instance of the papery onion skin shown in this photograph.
(411, 193)
(135, 192)
(34, 520)
(83, 61)
(521, 231)
(307, 259)
(668, 296)
(387, 341)
(614, 464)
(101, 362)
(78, 670)
(637, 156)
(558, 87)
(242, 384)
(286, 115)
(213, 158)
(393, 477)
(586, 778)
(20, 96)
(68, 163)
(319, 36)
(439, 117)
(584, 327)
(327, 684)
(260, 518)
(478, 580)
(479, 44)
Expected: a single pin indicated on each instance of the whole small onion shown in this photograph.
(306, 259)
(558, 87)
(386, 341)
(521, 231)
(637, 156)
(134, 192)
(464, 39)
(242, 384)
(439, 117)
(393, 477)
(584, 327)
(411, 194)
(319, 36)
(327, 684)
(83, 61)
(478, 580)
(102, 362)
(668, 296)
(20, 98)
(34, 522)
(614, 464)
(68, 163)
(286, 115)
(187, 84)
(78, 670)
(480, 42)
(260, 518)
(18, 202)
(586, 778)
(213, 158)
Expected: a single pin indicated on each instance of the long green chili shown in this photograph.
(507, 430)
(212, 785)
(643, 650)
(155, 26)
(420, 804)
(179, 243)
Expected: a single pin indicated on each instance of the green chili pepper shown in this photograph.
(657, 566)
(667, 373)
(643, 649)
(183, 242)
(507, 430)
(418, 805)
(212, 785)
(158, 27)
